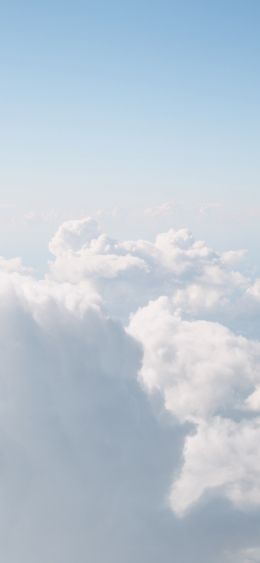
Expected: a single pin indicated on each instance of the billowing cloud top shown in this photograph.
(130, 402)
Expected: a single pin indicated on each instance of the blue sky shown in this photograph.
(130, 103)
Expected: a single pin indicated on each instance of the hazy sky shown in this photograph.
(130, 104)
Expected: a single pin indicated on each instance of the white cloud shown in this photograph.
(89, 467)
(233, 257)
(210, 377)
(221, 458)
(74, 235)
(200, 367)
(78, 440)
(13, 265)
(130, 273)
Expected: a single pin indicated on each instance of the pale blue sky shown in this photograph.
(130, 104)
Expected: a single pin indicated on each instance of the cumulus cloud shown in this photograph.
(130, 273)
(82, 252)
(129, 394)
(85, 464)
(13, 265)
(200, 367)
(207, 376)
(221, 458)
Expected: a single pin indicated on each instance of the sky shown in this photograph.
(129, 282)
(129, 105)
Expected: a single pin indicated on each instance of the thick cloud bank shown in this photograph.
(85, 465)
(129, 403)
(208, 376)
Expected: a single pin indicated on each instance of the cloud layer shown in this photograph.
(77, 435)
(130, 398)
